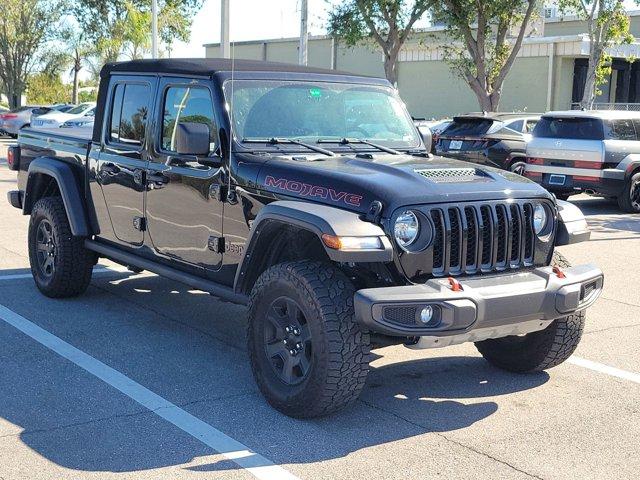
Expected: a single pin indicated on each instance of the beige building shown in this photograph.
(548, 74)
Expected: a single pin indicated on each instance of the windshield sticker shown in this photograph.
(315, 93)
(308, 190)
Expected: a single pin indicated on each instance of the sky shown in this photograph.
(251, 20)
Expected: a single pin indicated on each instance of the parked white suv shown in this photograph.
(597, 152)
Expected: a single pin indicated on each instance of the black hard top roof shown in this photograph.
(209, 66)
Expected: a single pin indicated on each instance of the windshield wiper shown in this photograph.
(347, 141)
(292, 141)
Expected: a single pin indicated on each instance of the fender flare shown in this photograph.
(572, 226)
(67, 182)
(319, 220)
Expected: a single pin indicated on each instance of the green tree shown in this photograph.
(607, 25)
(481, 47)
(387, 22)
(45, 88)
(25, 27)
(76, 54)
(120, 27)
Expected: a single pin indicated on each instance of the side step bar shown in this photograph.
(119, 256)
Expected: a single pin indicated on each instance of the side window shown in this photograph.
(531, 124)
(517, 125)
(187, 104)
(623, 129)
(129, 112)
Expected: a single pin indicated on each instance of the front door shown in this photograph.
(183, 208)
(122, 160)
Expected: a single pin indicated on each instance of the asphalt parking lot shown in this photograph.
(142, 377)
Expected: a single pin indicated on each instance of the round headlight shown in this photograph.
(540, 218)
(406, 228)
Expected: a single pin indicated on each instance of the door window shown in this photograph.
(187, 105)
(129, 112)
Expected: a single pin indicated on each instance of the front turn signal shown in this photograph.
(351, 243)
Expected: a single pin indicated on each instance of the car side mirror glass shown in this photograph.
(193, 139)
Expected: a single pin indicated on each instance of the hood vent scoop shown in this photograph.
(454, 175)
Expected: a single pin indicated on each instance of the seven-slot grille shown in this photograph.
(482, 237)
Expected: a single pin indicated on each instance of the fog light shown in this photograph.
(426, 315)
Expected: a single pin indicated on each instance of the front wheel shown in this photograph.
(308, 355)
(540, 350)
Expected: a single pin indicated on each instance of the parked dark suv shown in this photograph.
(493, 139)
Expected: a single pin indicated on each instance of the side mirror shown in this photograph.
(427, 136)
(193, 139)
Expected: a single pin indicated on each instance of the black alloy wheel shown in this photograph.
(45, 248)
(287, 341)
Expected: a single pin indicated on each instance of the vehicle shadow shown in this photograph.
(102, 431)
(604, 215)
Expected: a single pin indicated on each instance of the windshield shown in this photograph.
(312, 111)
(79, 109)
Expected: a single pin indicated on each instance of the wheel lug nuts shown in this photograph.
(299, 346)
(287, 329)
(296, 331)
(292, 352)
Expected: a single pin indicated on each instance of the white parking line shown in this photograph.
(259, 466)
(97, 270)
(606, 369)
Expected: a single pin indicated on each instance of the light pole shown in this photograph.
(154, 28)
(304, 33)
(225, 47)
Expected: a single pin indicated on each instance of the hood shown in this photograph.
(352, 182)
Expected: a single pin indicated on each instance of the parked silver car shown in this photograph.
(11, 122)
(597, 152)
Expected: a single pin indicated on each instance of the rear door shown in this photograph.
(122, 158)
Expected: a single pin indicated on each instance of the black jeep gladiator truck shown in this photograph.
(307, 195)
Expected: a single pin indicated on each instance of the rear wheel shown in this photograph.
(629, 201)
(308, 355)
(540, 350)
(60, 264)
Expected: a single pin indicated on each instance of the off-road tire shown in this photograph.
(625, 202)
(540, 350)
(73, 264)
(340, 352)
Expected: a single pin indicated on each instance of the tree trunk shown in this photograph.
(76, 84)
(391, 68)
(589, 95)
(488, 102)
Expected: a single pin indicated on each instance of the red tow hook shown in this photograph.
(455, 285)
(559, 273)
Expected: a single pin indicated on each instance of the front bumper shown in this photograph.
(486, 307)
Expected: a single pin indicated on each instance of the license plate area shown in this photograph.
(557, 179)
(455, 144)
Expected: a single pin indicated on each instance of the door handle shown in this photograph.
(110, 168)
